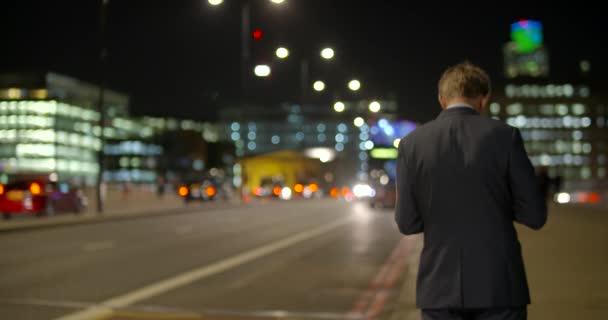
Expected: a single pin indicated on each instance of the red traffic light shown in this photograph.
(257, 34)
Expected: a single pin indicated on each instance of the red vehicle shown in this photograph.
(386, 196)
(40, 197)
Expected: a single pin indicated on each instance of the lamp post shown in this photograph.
(245, 41)
(103, 53)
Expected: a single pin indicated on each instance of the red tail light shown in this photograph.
(183, 191)
(1, 189)
(35, 188)
(276, 191)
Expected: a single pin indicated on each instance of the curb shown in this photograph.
(92, 218)
(404, 304)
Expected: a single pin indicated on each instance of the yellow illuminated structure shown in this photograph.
(291, 166)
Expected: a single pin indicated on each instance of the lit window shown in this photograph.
(300, 136)
(235, 126)
(585, 173)
(495, 108)
(252, 126)
(510, 90)
(251, 145)
(363, 156)
(560, 146)
(363, 136)
(275, 139)
(369, 145)
(568, 90)
(321, 127)
(520, 121)
(136, 162)
(123, 162)
(601, 173)
(251, 135)
(321, 137)
(546, 123)
(561, 109)
(586, 122)
(339, 147)
(339, 137)
(235, 136)
(586, 147)
(514, 109)
(577, 135)
(342, 127)
(547, 109)
(584, 92)
(578, 108)
(577, 147)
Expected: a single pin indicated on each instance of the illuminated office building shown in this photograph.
(49, 123)
(564, 125)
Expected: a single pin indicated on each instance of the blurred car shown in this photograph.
(198, 191)
(41, 198)
(269, 188)
(385, 197)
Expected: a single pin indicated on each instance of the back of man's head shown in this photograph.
(464, 81)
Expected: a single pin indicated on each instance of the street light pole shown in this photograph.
(100, 103)
(304, 75)
(245, 49)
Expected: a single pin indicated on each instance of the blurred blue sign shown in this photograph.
(383, 132)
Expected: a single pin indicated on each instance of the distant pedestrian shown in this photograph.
(462, 180)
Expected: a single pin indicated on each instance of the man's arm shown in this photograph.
(406, 215)
(529, 206)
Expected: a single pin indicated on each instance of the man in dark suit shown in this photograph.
(462, 180)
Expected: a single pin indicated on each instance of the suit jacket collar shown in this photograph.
(454, 112)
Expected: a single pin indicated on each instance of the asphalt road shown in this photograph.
(318, 259)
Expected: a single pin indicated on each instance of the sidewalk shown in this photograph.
(139, 204)
(566, 264)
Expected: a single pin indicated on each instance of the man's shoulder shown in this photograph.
(481, 122)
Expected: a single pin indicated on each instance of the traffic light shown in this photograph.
(257, 34)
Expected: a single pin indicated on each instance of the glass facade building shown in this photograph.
(564, 127)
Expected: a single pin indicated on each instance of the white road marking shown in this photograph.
(184, 230)
(97, 246)
(200, 273)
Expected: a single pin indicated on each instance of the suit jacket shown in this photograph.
(463, 179)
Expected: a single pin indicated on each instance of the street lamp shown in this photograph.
(215, 2)
(396, 143)
(319, 86)
(262, 70)
(282, 53)
(374, 106)
(354, 85)
(339, 106)
(277, 1)
(327, 53)
(359, 122)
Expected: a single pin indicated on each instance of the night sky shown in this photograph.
(182, 57)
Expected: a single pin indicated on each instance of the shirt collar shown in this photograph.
(460, 105)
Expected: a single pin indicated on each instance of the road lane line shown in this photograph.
(206, 271)
(97, 246)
